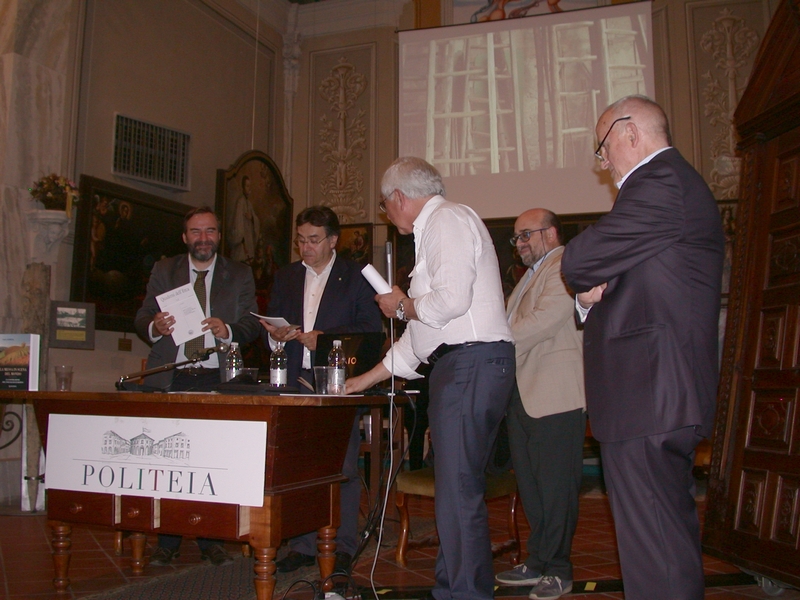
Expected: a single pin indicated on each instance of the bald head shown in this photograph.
(647, 115)
(633, 128)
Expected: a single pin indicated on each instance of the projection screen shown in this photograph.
(506, 110)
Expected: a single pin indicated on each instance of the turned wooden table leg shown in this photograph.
(62, 552)
(326, 555)
(118, 548)
(138, 541)
(265, 572)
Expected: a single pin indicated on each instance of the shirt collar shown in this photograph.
(539, 262)
(425, 213)
(646, 160)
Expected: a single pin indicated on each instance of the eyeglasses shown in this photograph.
(525, 235)
(382, 203)
(312, 241)
(600, 147)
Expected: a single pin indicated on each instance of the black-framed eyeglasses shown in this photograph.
(312, 241)
(382, 203)
(605, 137)
(525, 235)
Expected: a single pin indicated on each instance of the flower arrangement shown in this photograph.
(55, 192)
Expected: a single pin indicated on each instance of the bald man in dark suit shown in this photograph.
(648, 277)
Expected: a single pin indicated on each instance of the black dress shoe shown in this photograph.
(216, 555)
(342, 565)
(161, 556)
(293, 561)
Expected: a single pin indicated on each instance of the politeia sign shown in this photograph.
(184, 459)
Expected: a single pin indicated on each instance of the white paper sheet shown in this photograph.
(182, 303)
(376, 280)
(276, 321)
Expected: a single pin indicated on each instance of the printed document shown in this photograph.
(182, 303)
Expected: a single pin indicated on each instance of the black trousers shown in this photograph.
(547, 455)
(469, 391)
(651, 489)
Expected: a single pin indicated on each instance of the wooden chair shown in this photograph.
(421, 483)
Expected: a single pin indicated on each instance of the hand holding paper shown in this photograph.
(182, 304)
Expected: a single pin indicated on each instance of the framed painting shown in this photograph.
(120, 233)
(72, 325)
(355, 243)
(256, 212)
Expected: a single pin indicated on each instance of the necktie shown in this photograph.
(195, 345)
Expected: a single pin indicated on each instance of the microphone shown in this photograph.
(389, 263)
(206, 352)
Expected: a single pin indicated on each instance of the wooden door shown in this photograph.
(753, 513)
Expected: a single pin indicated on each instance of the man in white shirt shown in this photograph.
(546, 416)
(456, 324)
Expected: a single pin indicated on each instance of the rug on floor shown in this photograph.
(235, 581)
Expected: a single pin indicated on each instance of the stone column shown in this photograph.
(37, 40)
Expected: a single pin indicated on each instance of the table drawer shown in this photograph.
(204, 519)
(137, 514)
(82, 507)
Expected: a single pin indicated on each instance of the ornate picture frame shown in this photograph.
(256, 212)
(120, 233)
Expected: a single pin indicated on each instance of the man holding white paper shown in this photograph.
(322, 293)
(457, 325)
(229, 298)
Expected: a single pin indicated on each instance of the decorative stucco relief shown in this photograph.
(731, 43)
(343, 129)
(723, 38)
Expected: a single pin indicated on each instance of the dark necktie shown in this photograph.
(195, 346)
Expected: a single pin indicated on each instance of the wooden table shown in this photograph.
(306, 443)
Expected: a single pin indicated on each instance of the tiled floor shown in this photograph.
(26, 567)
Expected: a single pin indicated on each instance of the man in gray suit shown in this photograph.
(546, 416)
(648, 278)
(229, 298)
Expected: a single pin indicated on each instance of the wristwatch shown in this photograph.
(401, 311)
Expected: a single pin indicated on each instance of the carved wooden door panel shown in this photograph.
(763, 511)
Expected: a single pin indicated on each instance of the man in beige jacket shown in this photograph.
(546, 415)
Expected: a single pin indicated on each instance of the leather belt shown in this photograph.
(444, 349)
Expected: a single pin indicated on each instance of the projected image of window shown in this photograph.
(521, 94)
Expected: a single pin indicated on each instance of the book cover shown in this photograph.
(19, 361)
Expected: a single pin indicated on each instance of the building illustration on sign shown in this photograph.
(175, 446)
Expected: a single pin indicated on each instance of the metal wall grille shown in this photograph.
(151, 153)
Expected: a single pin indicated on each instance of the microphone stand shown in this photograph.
(221, 347)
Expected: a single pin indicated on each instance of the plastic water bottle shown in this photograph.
(337, 361)
(277, 367)
(233, 361)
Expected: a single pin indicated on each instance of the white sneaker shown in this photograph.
(519, 576)
(550, 587)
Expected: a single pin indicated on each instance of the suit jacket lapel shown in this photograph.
(535, 277)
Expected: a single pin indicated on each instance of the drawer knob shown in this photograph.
(133, 512)
(75, 508)
(195, 519)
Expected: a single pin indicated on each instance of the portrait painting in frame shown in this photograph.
(120, 233)
(355, 243)
(256, 212)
